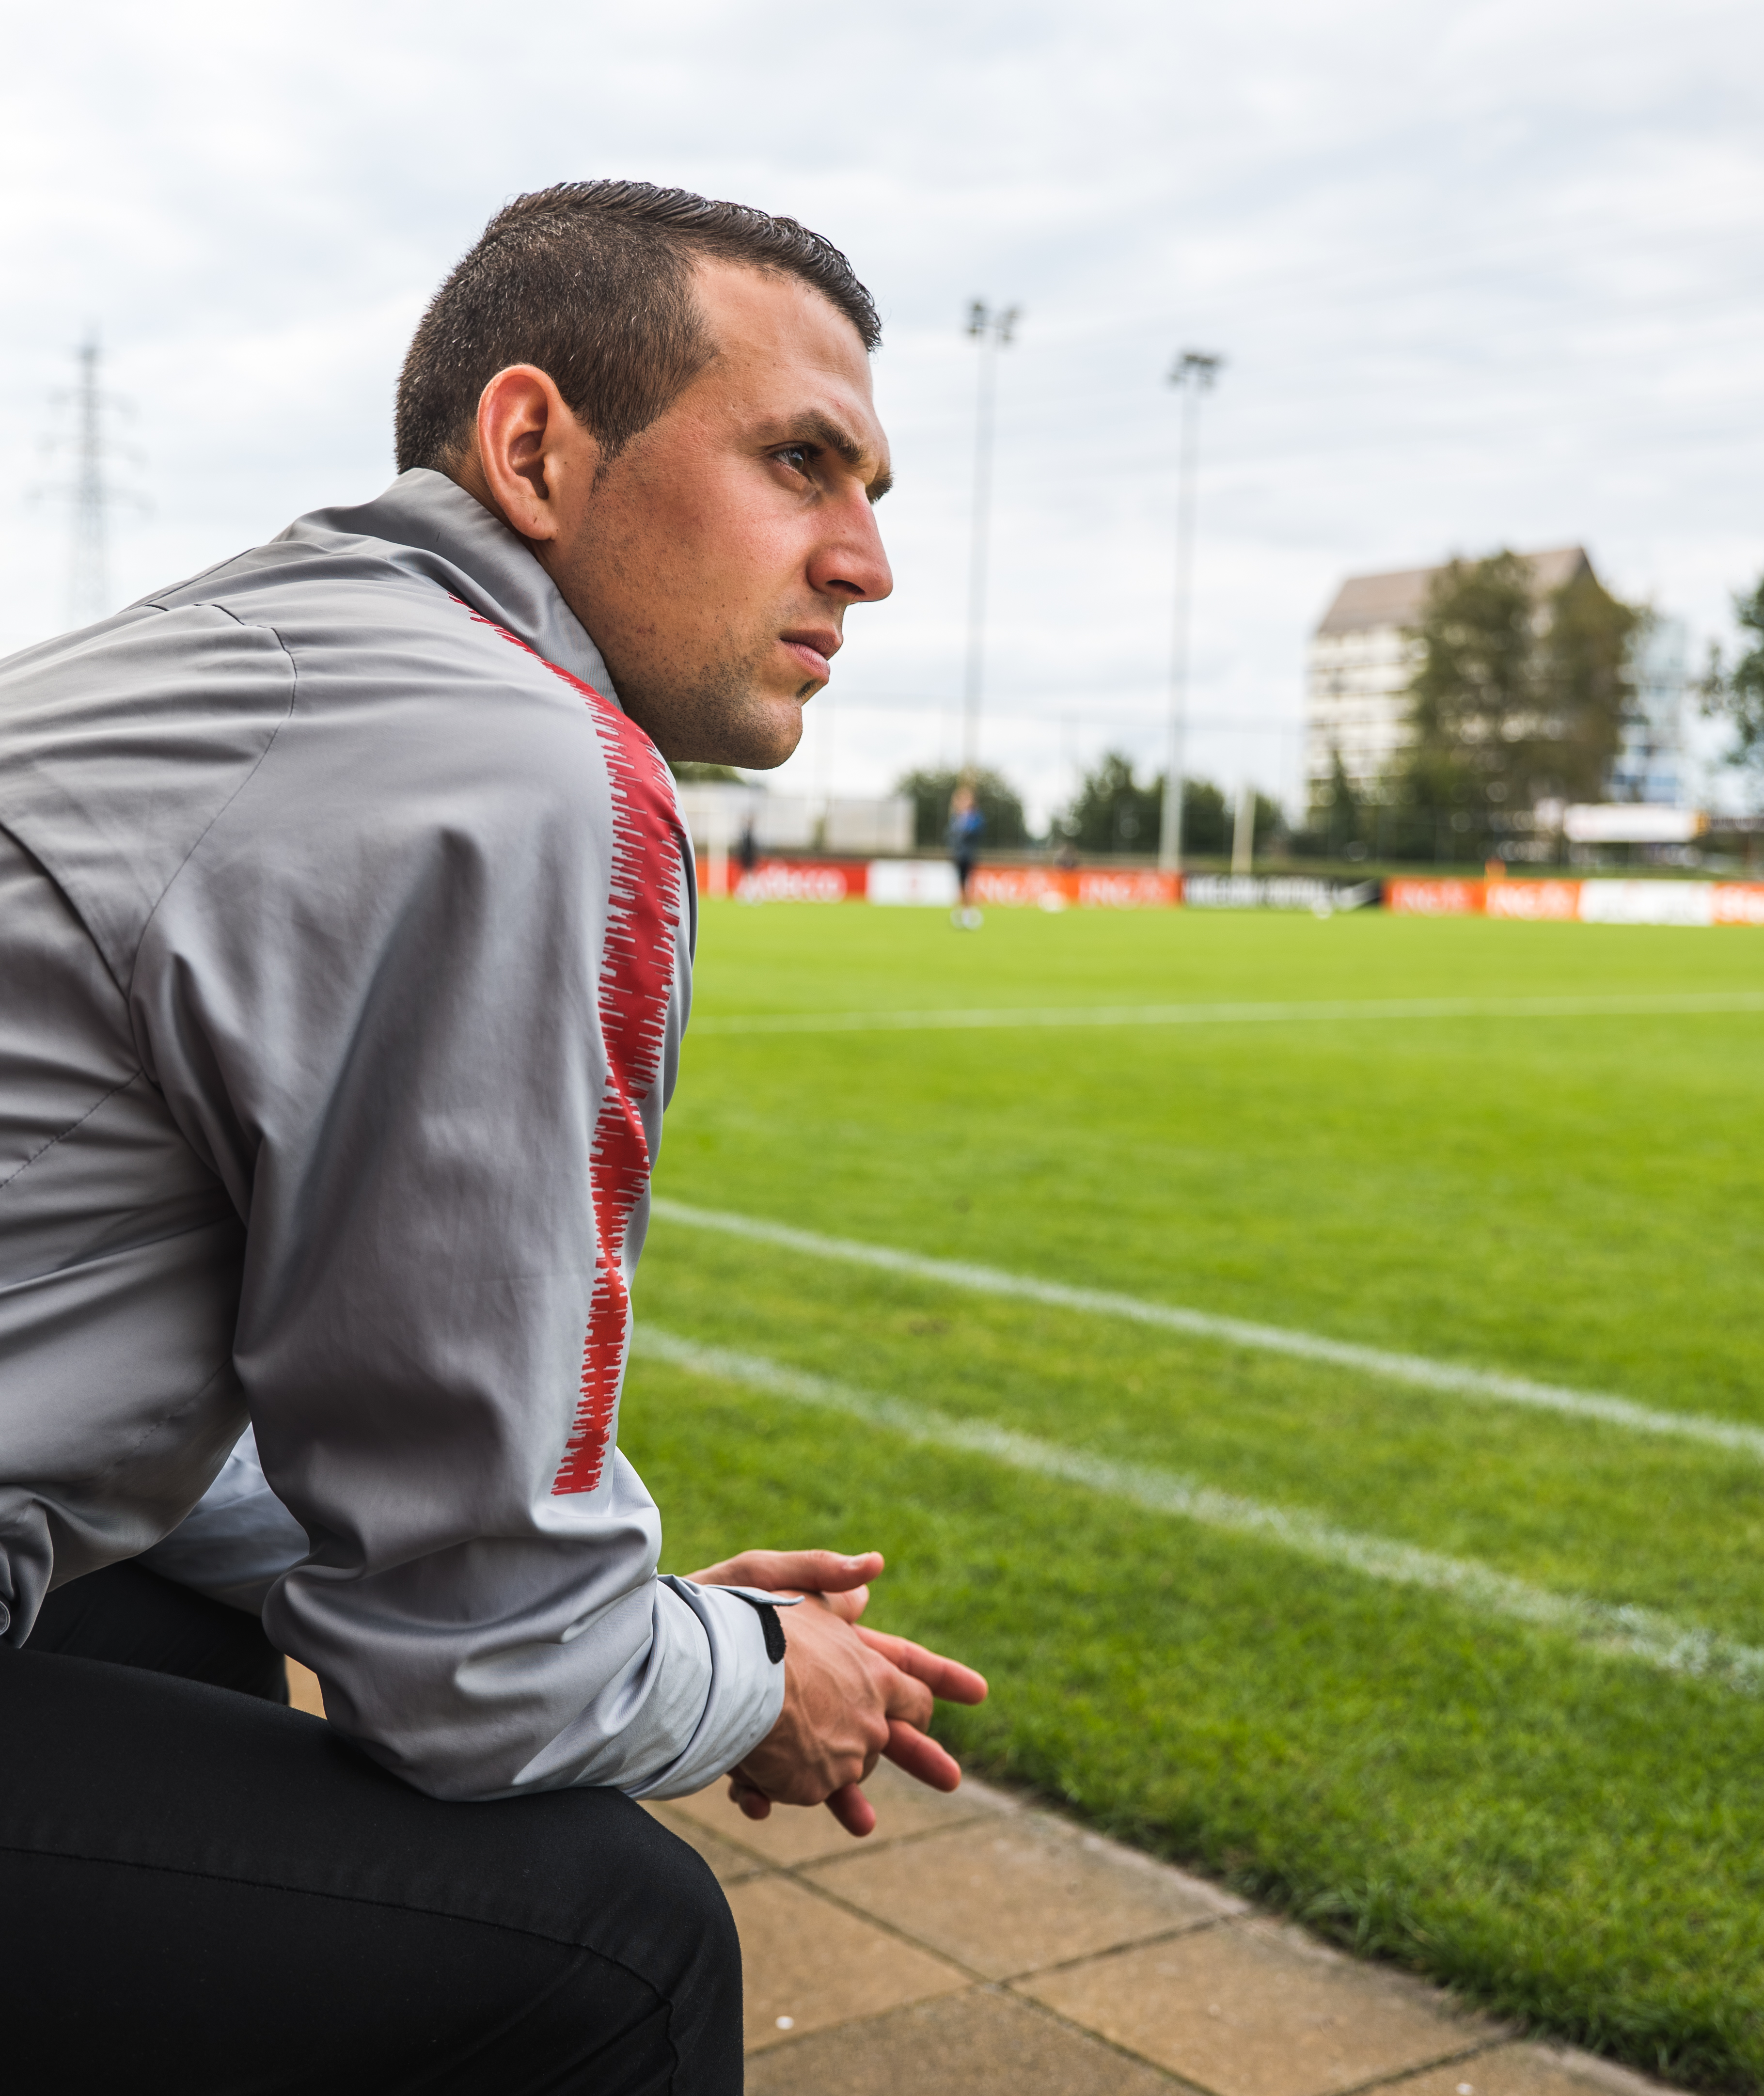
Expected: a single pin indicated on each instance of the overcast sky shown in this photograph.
(1485, 274)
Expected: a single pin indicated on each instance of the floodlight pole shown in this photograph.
(1195, 372)
(992, 331)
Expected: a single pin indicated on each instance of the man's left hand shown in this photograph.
(842, 1584)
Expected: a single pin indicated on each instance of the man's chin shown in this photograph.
(768, 752)
(756, 734)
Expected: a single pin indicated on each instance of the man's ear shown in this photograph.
(532, 463)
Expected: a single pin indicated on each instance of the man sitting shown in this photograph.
(346, 924)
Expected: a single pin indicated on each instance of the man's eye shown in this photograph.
(796, 456)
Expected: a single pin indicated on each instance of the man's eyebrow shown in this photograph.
(842, 443)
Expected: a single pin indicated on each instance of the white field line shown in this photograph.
(1417, 1370)
(1618, 1632)
(1689, 1003)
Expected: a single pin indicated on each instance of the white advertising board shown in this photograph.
(1647, 902)
(1629, 823)
(1278, 890)
(929, 883)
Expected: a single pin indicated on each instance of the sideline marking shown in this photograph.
(1610, 1629)
(1688, 1003)
(1414, 1368)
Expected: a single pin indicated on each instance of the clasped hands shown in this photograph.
(851, 1695)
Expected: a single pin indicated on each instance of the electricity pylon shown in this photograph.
(90, 493)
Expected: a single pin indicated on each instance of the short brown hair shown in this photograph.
(592, 282)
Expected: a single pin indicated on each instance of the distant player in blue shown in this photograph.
(966, 823)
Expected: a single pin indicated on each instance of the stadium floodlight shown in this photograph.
(994, 331)
(1195, 372)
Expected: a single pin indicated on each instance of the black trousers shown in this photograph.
(201, 1890)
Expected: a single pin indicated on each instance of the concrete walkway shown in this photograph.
(974, 1947)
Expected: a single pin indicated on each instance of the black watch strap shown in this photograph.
(773, 1630)
(766, 1606)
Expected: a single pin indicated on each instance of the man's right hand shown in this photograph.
(851, 1695)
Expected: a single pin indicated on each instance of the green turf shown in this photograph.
(1574, 1838)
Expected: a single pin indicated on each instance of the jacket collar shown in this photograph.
(428, 526)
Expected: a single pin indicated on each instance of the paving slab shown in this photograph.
(1255, 2009)
(304, 1691)
(794, 1834)
(809, 1963)
(1530, 2070)
(976, 2044)
(1010, 1895)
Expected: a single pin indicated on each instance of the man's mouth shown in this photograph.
(814, 651)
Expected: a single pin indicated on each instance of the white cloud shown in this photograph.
(1488, 274)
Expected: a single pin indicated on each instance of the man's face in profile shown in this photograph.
(714, 559)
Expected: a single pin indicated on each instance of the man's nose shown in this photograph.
(851, 562)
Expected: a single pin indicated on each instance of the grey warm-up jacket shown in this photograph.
(346, 925)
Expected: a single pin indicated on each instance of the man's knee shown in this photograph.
(674, 1935)
(672, 1913)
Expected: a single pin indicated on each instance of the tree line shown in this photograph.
(1517, 705)
(1112, 811)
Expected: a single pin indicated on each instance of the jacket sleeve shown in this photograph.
(237, 1541)
(417, 997)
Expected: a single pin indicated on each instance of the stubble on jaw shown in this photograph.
(718, 715)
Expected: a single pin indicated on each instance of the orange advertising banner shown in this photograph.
(791, 880)
(1023, 887)
(1533, 901)
(1612, 901)
(1435, 898)
(1739, 901)
(779, 880)
(1101, 890)
(1609, 900)
(1059, 888)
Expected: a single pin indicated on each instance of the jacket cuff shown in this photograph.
(746, 1694)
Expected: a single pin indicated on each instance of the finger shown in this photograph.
(754, 1803)
(947, 1677)
(794, 1571)
(853, 1810)
(904, 1697)
(921, 1757)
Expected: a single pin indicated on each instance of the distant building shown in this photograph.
(1650, 765)
(1361, 661)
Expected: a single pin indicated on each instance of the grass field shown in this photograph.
(1566, 1820)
